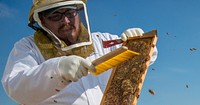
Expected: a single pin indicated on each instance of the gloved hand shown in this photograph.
(131, 32)
(73, 67)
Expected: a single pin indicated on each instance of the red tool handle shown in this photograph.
(110, 43)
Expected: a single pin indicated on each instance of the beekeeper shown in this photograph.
(51, 67)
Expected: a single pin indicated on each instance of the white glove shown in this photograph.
(73, 67)
(131, 32)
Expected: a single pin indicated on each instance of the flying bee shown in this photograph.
(151, 92)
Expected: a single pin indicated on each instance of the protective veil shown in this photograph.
(48, 43)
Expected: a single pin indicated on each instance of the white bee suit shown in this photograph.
(30, 80)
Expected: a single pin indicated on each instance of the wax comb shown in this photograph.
(126, 80)
(112, 59)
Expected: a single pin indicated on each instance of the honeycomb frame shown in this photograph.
(126, 80)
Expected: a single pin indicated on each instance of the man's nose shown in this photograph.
(66, 19)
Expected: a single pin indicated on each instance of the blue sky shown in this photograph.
(177, 22)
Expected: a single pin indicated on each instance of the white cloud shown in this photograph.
(6, 11)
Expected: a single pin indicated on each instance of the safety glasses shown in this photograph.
(57, 16)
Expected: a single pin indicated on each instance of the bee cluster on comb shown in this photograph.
(127, 78)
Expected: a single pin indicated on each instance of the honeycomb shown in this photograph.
(126, 79)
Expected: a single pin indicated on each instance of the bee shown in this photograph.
(55, 101)
(193, 49)
(151, 92)
(187, 86)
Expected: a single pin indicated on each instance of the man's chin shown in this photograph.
(65, 33)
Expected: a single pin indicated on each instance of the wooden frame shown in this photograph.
(126, 80)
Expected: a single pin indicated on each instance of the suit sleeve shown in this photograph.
(27, 81)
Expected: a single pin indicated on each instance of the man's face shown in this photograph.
(64, 23)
